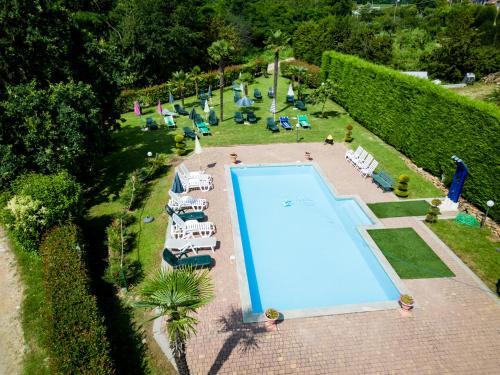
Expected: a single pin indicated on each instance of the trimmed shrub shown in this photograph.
(432, 215)
(40, 202)
(77, 335)
(150, 95)
(425, 122)
(312, 77)
(401, 189)
(348, 133)
(180, 145)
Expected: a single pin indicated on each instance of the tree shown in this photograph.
(298, 72)
(220, 52)
(179, 80)
(195, 77)
(326, 91)
(247, 79)
(276, 42)
(177, 294)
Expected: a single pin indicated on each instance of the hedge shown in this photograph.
(77, 335)
(150, 95)
(425, 122)
(312, 76)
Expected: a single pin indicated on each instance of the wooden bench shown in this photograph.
(383, 180)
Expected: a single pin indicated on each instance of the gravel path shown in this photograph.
(11, 335)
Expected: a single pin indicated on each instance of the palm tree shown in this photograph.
(277, 41)
(220, 53)
(177, 294)
(179, 80)
(300, 73)
(195, 77)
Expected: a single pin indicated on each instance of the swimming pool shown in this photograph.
(302, 252)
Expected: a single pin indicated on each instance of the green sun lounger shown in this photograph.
(290, 99)
(270, 93)
(180, 110)
(189, 133)
(271, 125)
(257, 94)
(196, 261)
(212, 118)
(252, 119)
(299, 104)
(169, 121)
(195, 215)
(151, 124)
(304, 122)
(238, 118)
(237, 96)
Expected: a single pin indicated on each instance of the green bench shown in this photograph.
(383, 180)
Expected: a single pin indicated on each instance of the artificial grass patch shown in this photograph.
(399, 209)
(408, 254)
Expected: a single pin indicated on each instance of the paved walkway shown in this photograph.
(11, 336)
(455, 330)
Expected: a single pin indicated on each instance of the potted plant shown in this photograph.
(348, 133)
(406, 302)
(272, 315)
(432, 215)
(234, 157)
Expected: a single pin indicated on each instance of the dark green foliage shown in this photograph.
(432, 215)
(51, 130)
(408, 254)
(78, 343)
(180, 145)
(38, 202)
(348, 133)
(401, 189)
(312, 76)
(427, 123)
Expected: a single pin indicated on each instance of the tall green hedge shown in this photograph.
(150, 95)
(78, 342)
(426, 122)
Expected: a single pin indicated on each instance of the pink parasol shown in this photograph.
(137, 108)
(159, 109)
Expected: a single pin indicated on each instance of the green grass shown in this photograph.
(33, 320)
(228, 133)
(399, 209)
(408, 254)
(475, 246)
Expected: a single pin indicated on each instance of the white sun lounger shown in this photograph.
(186, 229)
(201, 183)
(365, 172)
(194, 244)
(350, 154)
(365, 163)
(183, 170)
(178, 202)
(360, 158)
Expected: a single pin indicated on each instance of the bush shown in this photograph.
(425, 122)
(78, 342)
(401, 189)
(433, 213)
(150, 95)
(180, 145)
(40, 202)
(312, 77)
(155, 166)
(348, 133)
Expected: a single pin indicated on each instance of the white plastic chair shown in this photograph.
(365, 172)
(365, 163)
(186, 229)
(183, 170)
(194, 244)
(189, 184)
(360, 158)
(178, 202)
(350, 154)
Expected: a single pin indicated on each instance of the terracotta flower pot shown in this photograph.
(234, 158)
(270, 319)
(405, 305)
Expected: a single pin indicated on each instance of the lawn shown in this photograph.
(475, 246)
(408, 254)
(229, 133)
(478, 90)
(399, 209)
(131, 148)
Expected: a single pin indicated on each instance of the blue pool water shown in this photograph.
(300, 243)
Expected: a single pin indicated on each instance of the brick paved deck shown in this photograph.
(456, 328)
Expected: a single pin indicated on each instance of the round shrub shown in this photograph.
(180, 145)
(432, 214)
(348, 133)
